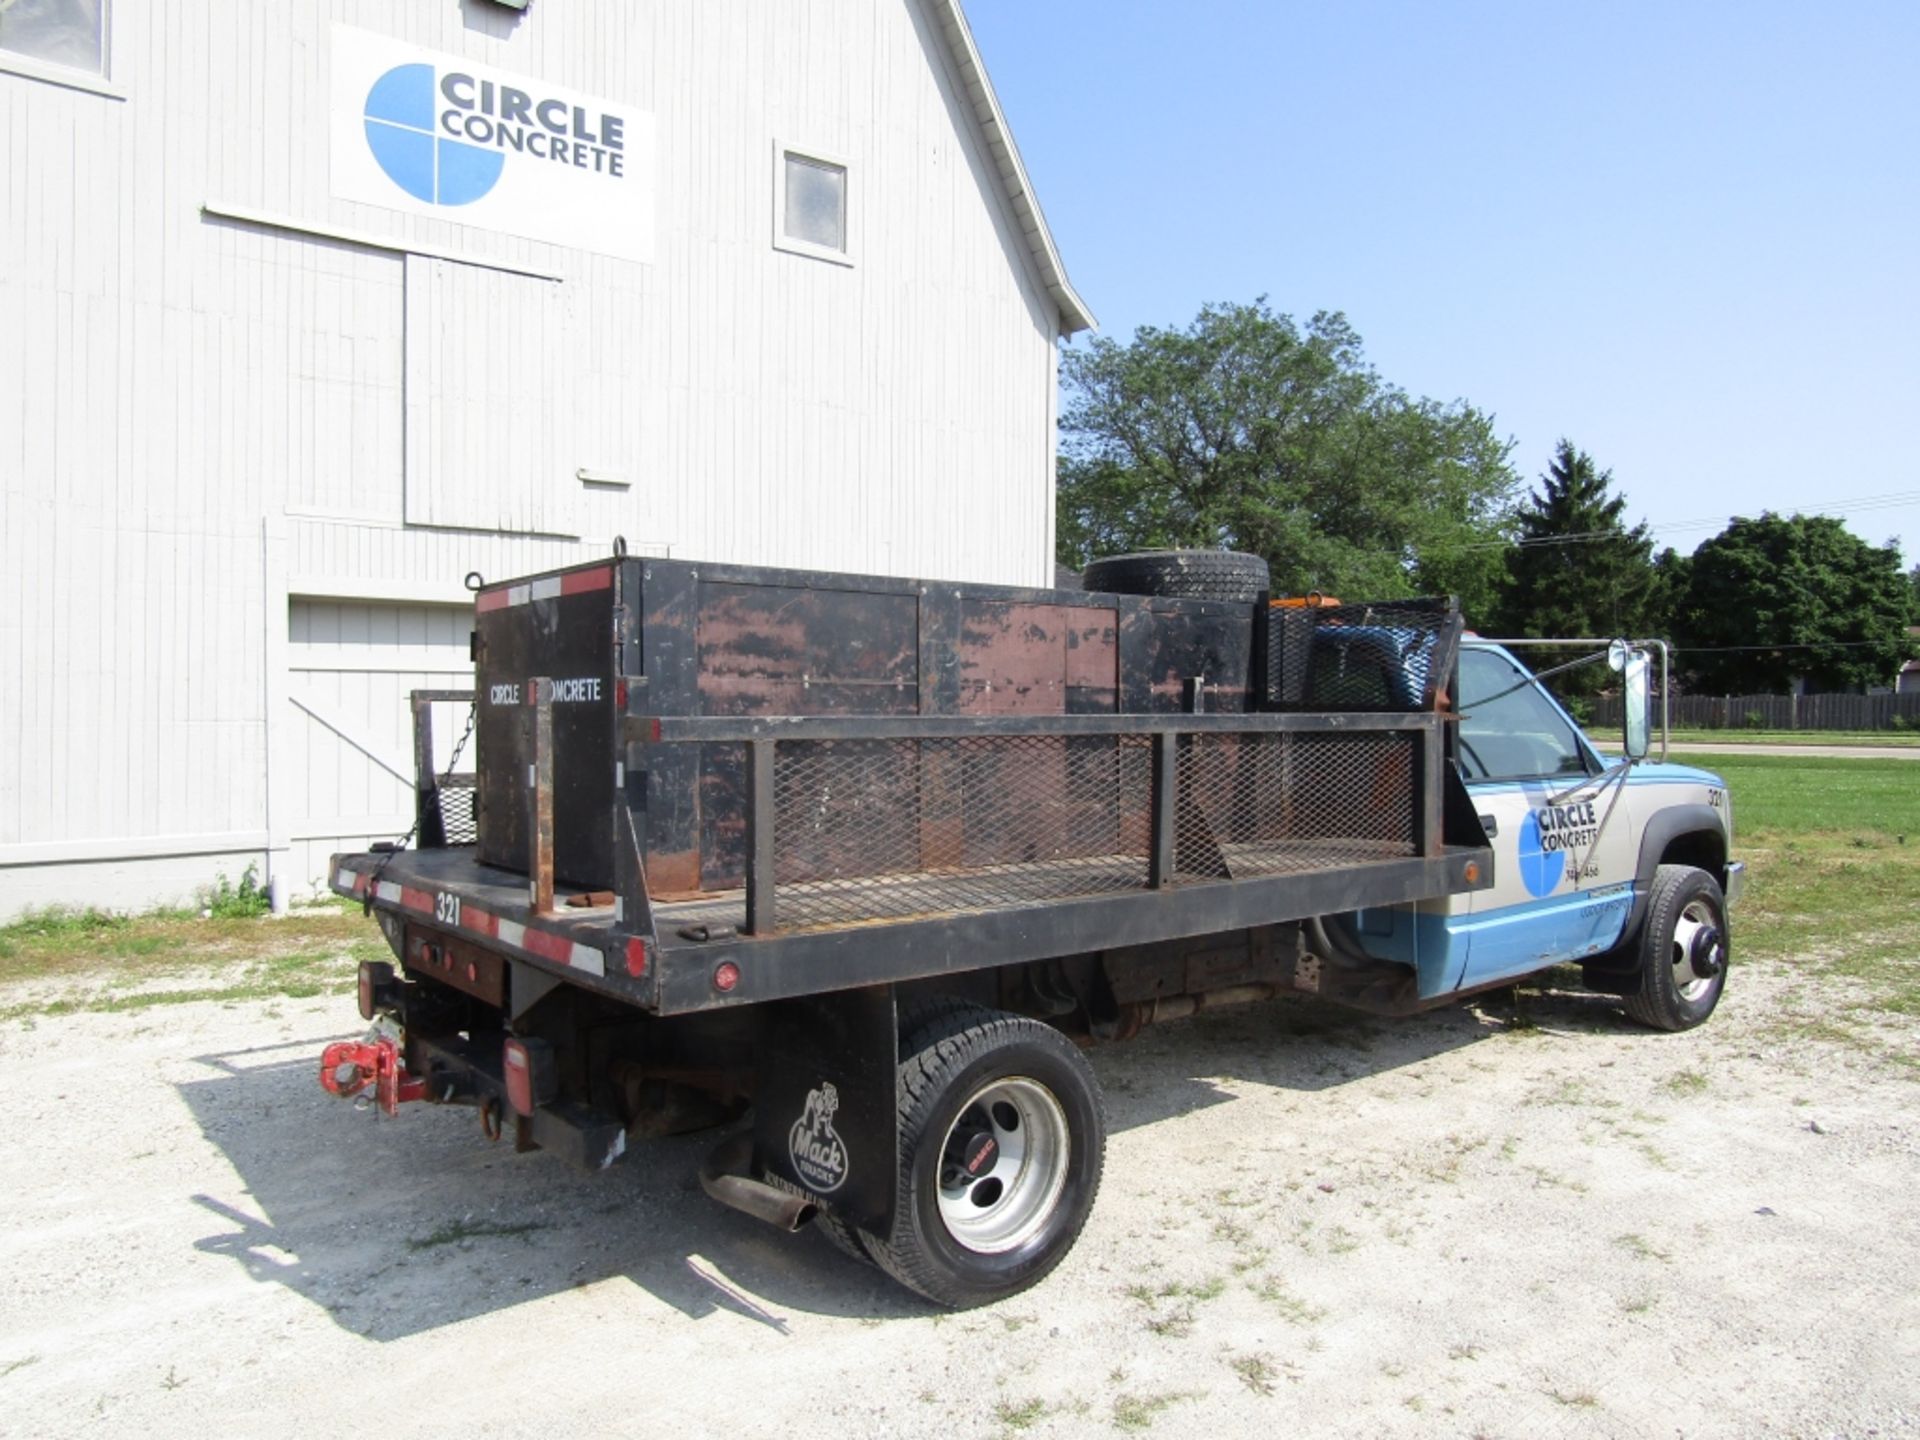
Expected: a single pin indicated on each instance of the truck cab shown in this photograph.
(1581, 841)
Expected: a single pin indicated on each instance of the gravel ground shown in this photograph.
(1457, 1225)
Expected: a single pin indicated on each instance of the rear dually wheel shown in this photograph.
(1002, 1139)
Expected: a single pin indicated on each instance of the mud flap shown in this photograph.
(825, 1111)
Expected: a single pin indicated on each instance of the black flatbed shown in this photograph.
(494, 910)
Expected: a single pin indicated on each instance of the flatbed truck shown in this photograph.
(861, 866)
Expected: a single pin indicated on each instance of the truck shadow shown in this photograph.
(396, 1227)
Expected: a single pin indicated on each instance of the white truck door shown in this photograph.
(1563, 864)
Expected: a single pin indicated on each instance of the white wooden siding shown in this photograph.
(486, 360)
(351, 667)
(198, 413)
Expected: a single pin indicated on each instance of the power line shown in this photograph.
(1893, 500)
(1803, 645)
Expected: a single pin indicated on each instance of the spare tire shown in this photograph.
(1183, 574)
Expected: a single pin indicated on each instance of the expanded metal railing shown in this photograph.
(852, 820)
(443, 801)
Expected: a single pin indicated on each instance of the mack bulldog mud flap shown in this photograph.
(824, 1110)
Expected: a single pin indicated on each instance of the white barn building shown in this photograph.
(309, 308)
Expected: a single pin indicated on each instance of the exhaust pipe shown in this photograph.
(723, 1177)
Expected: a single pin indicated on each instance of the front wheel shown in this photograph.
(1002, 1139)
(1684, 950)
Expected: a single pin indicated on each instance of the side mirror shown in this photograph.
(1634, 702)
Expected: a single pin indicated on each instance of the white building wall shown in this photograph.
(202, 418)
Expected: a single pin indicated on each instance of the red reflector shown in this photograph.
(726, 975)
(636, 958)
(620, 696)
(519, 1077)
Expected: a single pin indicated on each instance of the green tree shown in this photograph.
(1249, 432)
(1775, 600)
(1672, 572)
(1575, 569)
(1913, 584)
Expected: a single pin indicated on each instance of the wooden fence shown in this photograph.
(1778, 712)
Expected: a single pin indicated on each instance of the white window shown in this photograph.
(811, 205)
(69, 33)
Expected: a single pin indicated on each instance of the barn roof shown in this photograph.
(1025, 205)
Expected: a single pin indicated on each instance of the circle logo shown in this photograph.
(428, 166)
(1540, 868)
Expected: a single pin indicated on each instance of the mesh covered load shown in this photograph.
(1392, 656)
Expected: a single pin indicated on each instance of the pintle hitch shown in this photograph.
(348, 1066)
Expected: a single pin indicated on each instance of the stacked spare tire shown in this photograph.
(1226, 575)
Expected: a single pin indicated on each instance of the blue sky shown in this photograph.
(1686, 236)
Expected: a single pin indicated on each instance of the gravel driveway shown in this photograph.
(1478, 1222)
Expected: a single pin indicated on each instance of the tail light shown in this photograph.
(532, 1080)
(375, 987)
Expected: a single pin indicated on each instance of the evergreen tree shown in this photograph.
(1575, 569)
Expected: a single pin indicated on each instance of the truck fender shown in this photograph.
(1661, 831)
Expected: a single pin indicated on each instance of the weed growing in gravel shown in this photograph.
(1686, 1082)
(1576, 1399)
(1640, 1248)
(1175, 1324)
(1021, 1416)
(1251, 1259)
(1256, 1372)
(1543, 1176)
(1233, 1234)
(1293, 1309)
(1137, 1412)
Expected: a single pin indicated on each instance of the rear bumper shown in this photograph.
(455, 1071)
(1736, 881)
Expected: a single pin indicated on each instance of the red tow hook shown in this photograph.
(349, 1066)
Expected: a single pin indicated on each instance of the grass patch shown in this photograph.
(1885, 739)
(454, 1231)
(124, 961)
(1779, 796)
(1833, 848)
(1686, 1082)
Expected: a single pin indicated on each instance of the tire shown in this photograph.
(842, 1236)
(1182, 574)
(1016, 1103)
(1684, 950)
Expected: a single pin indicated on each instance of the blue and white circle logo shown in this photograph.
(428, 166)
(1540, 866)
